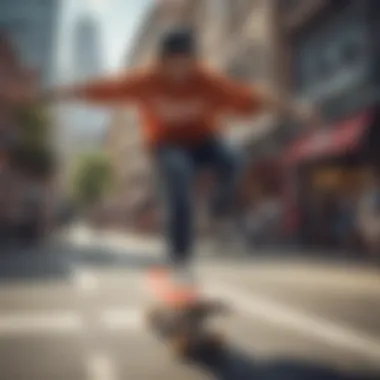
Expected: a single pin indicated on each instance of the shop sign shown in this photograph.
(320, 142)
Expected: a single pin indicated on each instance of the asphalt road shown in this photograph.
(73, 311)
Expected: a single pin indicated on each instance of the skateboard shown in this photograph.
(181, 320)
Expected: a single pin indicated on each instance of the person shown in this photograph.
(180, 101)
(369, 214)
(345, 221)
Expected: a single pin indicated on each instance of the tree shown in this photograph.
(32, 153)
(91, 178)
(34, 124)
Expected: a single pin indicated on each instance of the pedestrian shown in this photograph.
(369, 214)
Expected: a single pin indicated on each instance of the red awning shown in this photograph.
(342, 139)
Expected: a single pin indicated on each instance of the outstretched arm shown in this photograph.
(288, 107)
(244, 100)
(104, 91)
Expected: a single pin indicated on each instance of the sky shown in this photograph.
(118, 22)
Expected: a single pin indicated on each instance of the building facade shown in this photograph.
(124, 141)
(333, 60)
(31, 26)
(239, 38)
(19, 183)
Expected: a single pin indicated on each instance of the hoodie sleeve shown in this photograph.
(236, 98)
(124, 88)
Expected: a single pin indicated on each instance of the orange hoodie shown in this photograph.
(171, 113)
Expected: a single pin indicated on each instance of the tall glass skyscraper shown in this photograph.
(87, 60)
(87, 123)
(83, 126)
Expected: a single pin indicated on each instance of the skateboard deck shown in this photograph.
(180, 317)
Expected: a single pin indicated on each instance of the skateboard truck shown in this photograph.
(185, 329)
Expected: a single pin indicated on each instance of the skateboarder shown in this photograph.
(180, 102)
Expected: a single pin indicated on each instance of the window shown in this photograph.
(249, 63)
(309, 68)
(237, 71)
(236, 14)
(336, 46)
(351, 53)
(256, 58)
(352, 48)
(310, 62)
(323, 67)
(333, 54)
(288, 5)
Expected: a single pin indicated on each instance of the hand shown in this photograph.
(310, 117)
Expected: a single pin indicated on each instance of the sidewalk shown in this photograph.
(133, 240)
(149, 243)
(82, 234)
(155, 245)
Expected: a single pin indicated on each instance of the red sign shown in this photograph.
(340, 139)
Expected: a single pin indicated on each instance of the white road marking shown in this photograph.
(49, 323)
(315, 279)
(34, 323)
(298, 321)
(85, 280)
(80, 237)
(122, 319)
(84, 236)
(100, 367)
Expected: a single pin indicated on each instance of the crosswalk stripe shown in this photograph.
(40, 323)
(298, 321)
(65, 322)
(122, 319)
(100, 367)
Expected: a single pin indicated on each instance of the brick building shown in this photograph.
(8, 74)
(131, 166)
(15, 187)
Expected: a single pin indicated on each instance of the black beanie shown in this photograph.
(178, 41)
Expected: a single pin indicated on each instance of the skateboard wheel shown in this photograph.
(216, 341)
(153, 317)
(214, 307)
(221, 308)
(181, 345)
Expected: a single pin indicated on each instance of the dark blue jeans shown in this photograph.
(178, 167)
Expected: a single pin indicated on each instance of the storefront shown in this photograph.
(263, 171)
(334, 67)
(324, 169)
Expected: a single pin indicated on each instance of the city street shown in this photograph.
(73, 310)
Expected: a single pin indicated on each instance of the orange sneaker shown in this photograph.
(173, 288)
